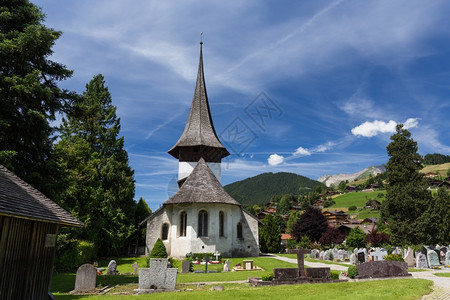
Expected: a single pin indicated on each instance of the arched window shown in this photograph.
(183, 222)
(239, 230)
(203, 223)
(221, 223)
(165, 231)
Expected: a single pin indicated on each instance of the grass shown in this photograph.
(294, 256)
(402, 289)
(442, 274)
(358, 199)
(439, 169)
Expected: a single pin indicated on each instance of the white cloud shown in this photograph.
(275, 159)
(371, 129)
(301, 151)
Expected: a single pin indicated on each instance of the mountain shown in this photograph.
(259, 189)
(333, 180)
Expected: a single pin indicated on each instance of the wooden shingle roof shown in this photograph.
(201, 186)
(20, 200)
(199, 130)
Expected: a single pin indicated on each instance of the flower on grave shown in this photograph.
(238, 265)
(95, 264)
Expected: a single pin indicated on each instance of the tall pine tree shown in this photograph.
(99, 181)
(29, 94)
(407, 197)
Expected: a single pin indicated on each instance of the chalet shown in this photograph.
(431, 175)
(373, 204)
(351, 188)
(433, 183)
(345, 228)
(29, 223)
(335, 217)
(371, 220)
(372, 187)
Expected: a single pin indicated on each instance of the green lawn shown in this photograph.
(358, 199)
(442, 274)
(379, 289)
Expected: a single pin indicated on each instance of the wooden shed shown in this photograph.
(29, 223)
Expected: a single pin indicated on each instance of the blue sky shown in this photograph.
(309, 87)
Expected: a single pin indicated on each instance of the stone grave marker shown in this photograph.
(185, 266)
(226, 266)
(361, 257)
(378, 254)
(171, 279)
(421, 261)
(316, 273)
(447, 258)
(301, 261)
(409, 257)
(381, 269)
(157, 277)
(247, 264)
(321, 254)
(353, 259)
(433, 259)
(217, 254)
(112, 268)
(86, 278)
(135, 268)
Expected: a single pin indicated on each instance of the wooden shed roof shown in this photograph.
(201, 186)
(199, 130)
(21, 200)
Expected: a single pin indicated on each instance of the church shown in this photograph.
(201, 217)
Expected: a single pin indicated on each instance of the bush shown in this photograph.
(159, 250)
(291, 244)
(72, 253)
(352, 272)
(394, 257)
(334, 275)
(304, 241)
(200, 256)
(356, 238)
(267, 277)
(352, 207)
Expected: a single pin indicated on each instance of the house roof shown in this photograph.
(366, 229)
(201, 186)
(20, 200)
(199, 130)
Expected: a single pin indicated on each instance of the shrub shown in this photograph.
(291, 244)
(304, 241)
(267, 277)
(159, 250)
(353, 207)
(72, 253)
(394, 257)
(352, 271)
(334, 275)
(376, 239)
(356, 238)
(200, 256)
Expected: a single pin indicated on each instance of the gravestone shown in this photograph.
(301, 261)
(247, 264)
(361, 257)
(409, 257)
(315, 254)
(378, 254)
(226, 266)
(326, 255)
(112, 268)
(217, 254)
(185, 266)
(447, 258)
(321, 255)
(316, 273)
(421, 261)
(85, 280)
(353, 259)
(433, 259)
(157, 277)
(342, 254)
(381, 269)
(283, 273)
(135, 268)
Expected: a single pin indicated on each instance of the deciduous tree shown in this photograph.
(311, 223)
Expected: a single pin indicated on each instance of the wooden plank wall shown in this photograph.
(26, 265)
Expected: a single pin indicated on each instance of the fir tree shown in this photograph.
(407, 198)
(99, 181)
(30, 97)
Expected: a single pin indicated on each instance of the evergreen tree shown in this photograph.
(311, 223)
(30, 97)
(142, 212)
(407, 197)
(284, 205)
(294, 216)
(356, 238)
(270, 234)
(99, 181)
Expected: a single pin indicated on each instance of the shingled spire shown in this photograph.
(199, 138)
(199, 132)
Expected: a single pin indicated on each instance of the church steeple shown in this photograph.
(199, 138)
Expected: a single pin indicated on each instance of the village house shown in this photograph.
(335, 217)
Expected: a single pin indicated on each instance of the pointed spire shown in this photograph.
(199, 130)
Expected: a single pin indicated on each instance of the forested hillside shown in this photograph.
(259, 189)
(436, 159)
